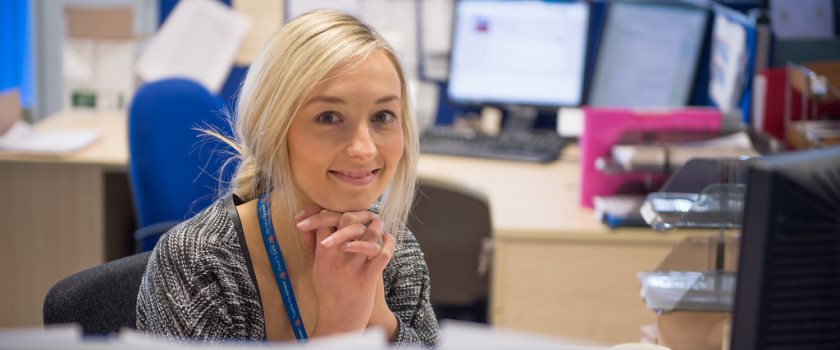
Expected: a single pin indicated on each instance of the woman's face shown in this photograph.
(346, 140)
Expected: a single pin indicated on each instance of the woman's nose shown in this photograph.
(361, 144)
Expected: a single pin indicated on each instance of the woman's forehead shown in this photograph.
(374, 72)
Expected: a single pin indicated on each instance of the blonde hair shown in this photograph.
(309, 49)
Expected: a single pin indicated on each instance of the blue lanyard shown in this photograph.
(272, 247)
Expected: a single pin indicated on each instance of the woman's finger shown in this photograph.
(347, 234)
(323, 233)
(355, 217)
(324, 218)
(307, 212)
(369, 249)
(381, 260)
(373, 232)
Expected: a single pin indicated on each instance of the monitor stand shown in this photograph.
(521, 119)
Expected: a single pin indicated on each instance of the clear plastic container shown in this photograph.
(666, 291)
(704, 193)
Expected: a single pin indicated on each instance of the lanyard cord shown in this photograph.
(281, 275)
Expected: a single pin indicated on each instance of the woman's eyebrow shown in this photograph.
(387, 99)
(339, 100)
(327, 99)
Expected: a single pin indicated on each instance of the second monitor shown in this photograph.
(529, 53)
(648, 56)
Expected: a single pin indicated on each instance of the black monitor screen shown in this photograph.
(788, 289)
(518, 52)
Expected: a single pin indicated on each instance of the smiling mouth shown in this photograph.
(356, 178)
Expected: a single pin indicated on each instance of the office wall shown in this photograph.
(48, 31)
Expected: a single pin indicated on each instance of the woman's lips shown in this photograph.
(355, 177)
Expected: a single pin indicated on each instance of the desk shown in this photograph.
(555, 269)
(60, 215)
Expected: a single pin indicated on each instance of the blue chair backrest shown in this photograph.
(174, 169)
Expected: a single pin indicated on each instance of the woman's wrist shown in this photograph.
(324, 329)
(384, 318)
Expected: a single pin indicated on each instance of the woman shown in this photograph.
(301, 249)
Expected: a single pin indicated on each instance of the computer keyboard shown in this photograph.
(541, 146)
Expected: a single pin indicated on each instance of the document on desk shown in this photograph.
(48, 337)
(373, 339)
(22, 138)
(199, 41)
(657, 157)
(465, 335)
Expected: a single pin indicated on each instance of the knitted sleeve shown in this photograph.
(407, 294)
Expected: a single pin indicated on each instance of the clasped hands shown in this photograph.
(347, 269)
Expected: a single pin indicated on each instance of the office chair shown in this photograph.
(102, 299)
(173, 168)
(452, 225)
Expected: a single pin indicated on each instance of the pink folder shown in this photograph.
(602, 127)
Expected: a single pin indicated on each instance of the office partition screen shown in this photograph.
(518, 52)
(648, 55)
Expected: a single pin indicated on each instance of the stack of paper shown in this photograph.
(21, 137)
(199, 41)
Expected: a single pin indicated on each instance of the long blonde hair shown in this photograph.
(304, 52)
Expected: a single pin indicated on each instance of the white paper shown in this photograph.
(802, 19)
(728, 62)
(462, 335)
(198, 41)
(49, 337)
(373, 339)
(101, 68)
(642, 156)
(570, 122)
(23, 138)
(617, 205)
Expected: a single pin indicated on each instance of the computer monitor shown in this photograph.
(788, 287)
(648, 54)
(525, 53)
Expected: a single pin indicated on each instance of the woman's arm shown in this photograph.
(407, 294)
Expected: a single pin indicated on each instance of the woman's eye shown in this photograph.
(327, 118)
(384, 117)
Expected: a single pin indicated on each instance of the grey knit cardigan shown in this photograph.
(200, 284)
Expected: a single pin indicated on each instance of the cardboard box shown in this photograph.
(692, 330)
(10, 109)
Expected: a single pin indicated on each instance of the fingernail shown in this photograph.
(299, 215)
(327, 241)
(303, 225)
(346, 246)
